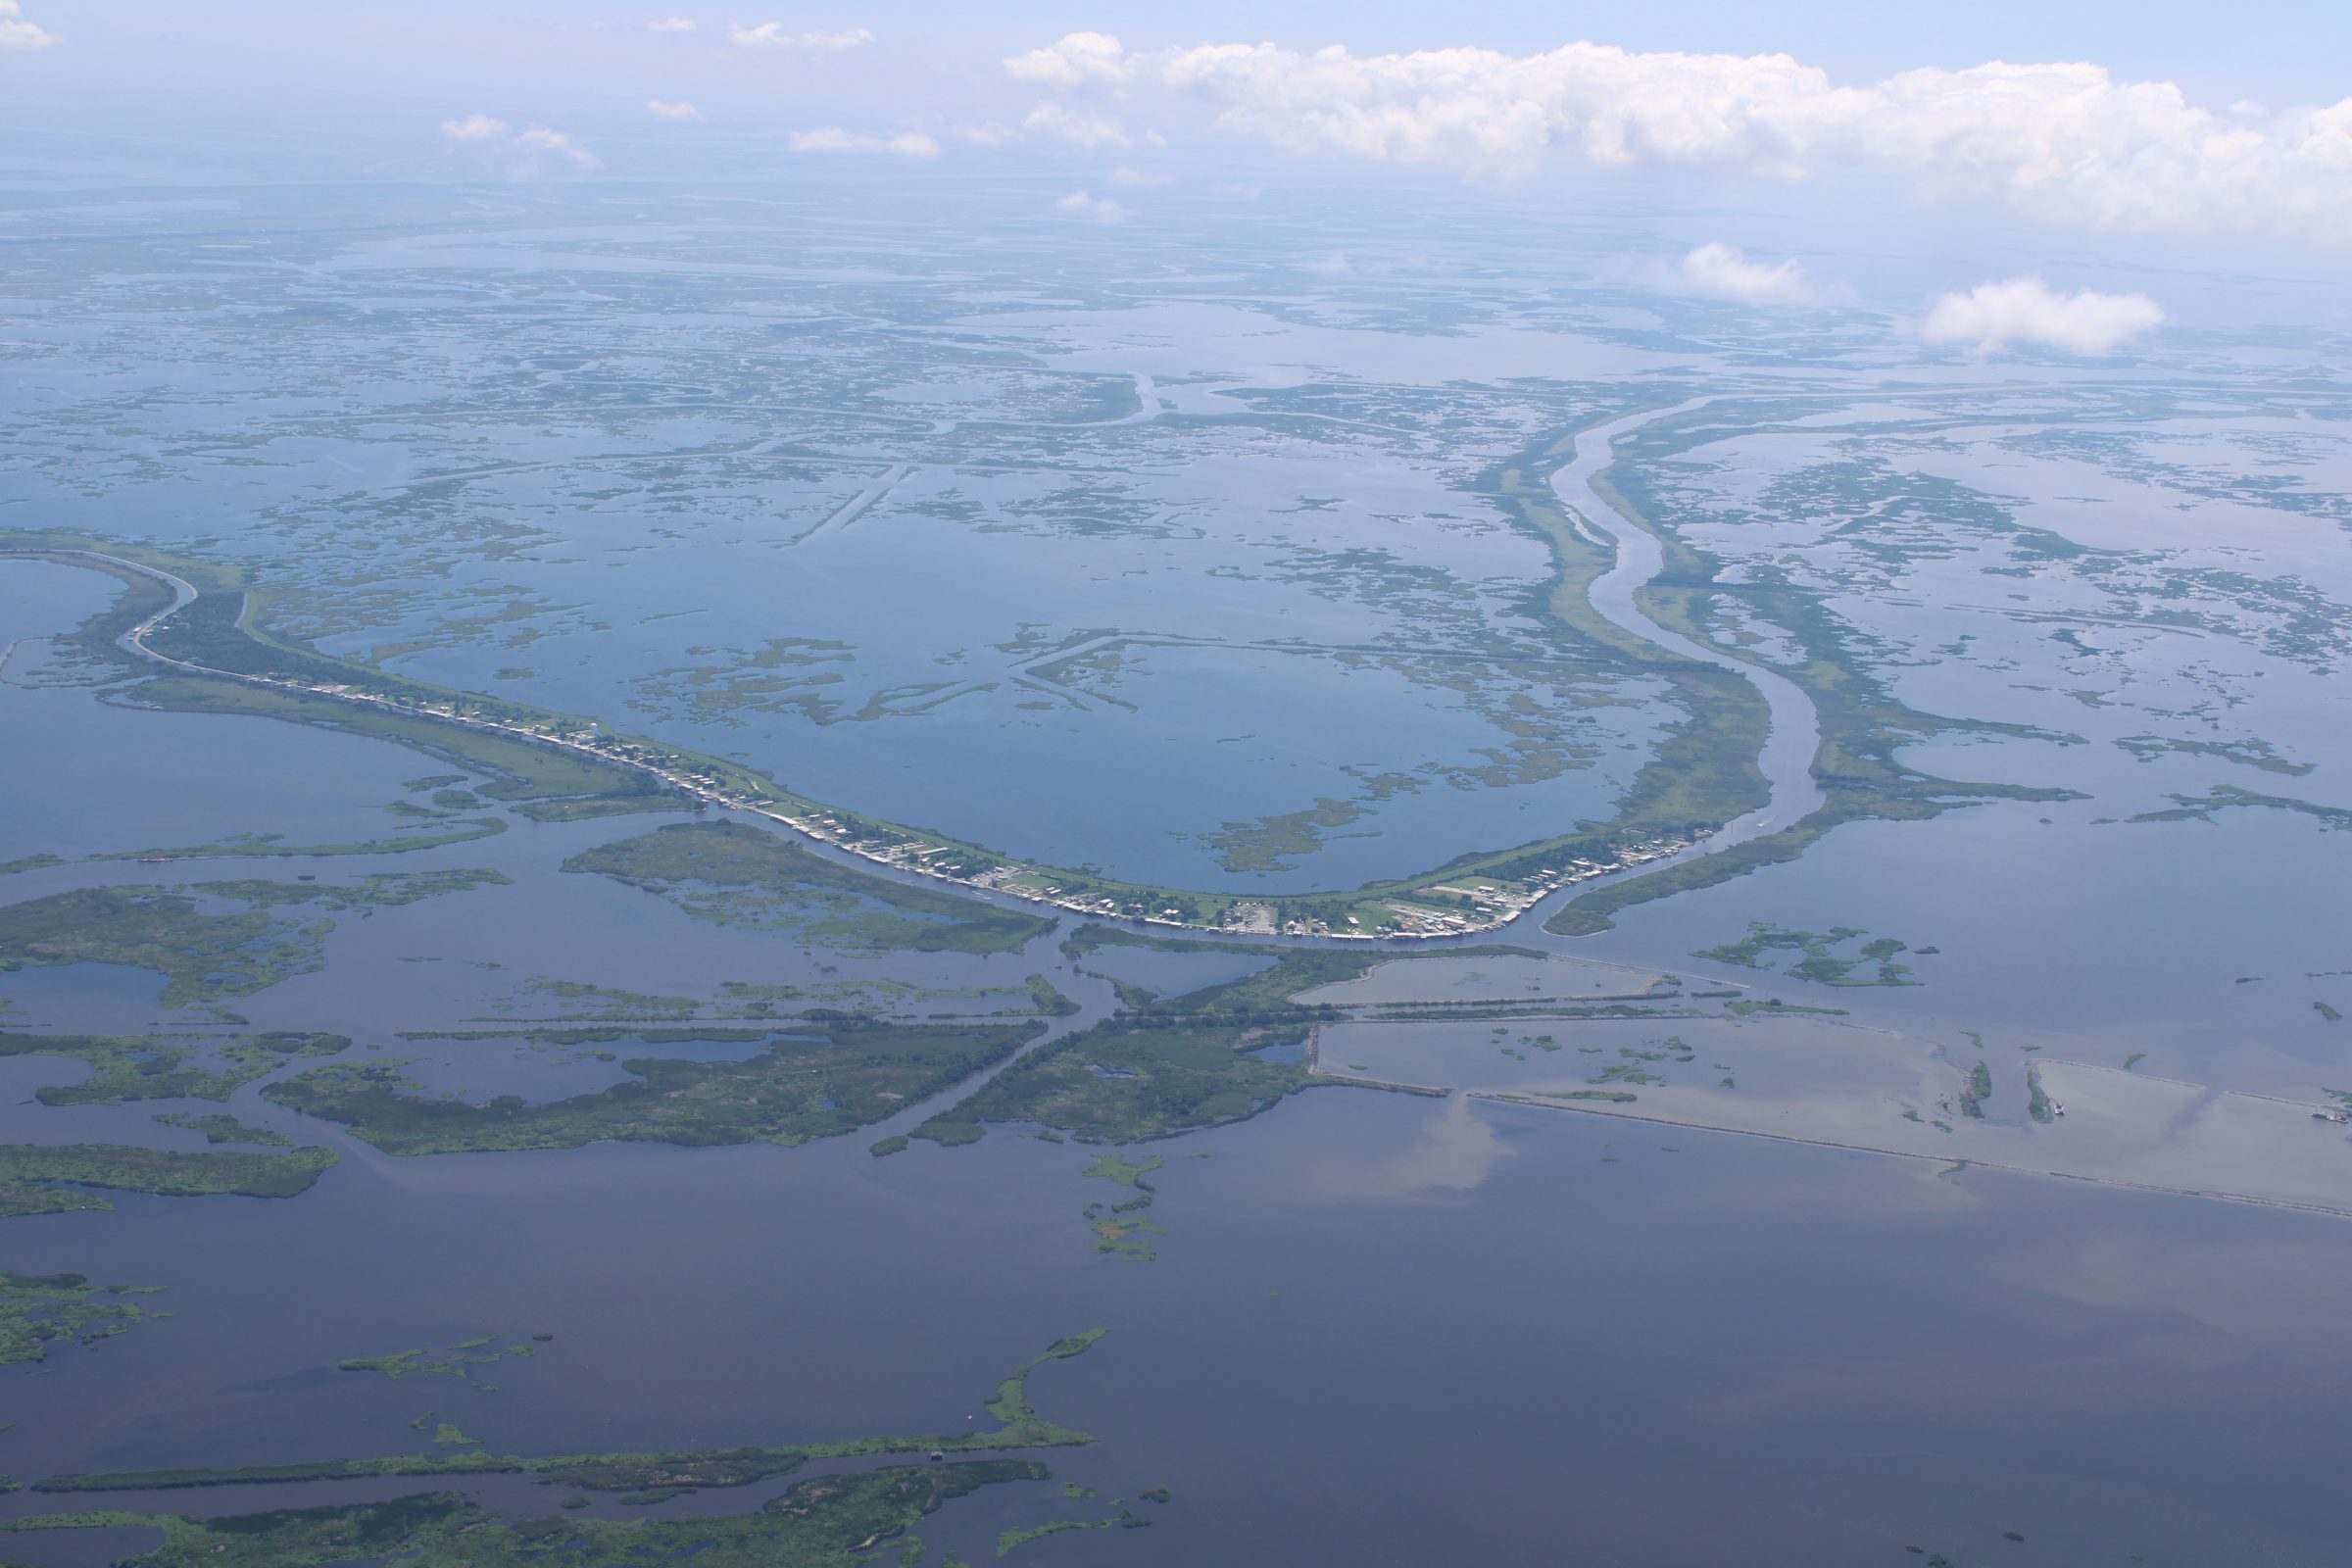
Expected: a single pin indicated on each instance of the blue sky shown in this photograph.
(2265, 48)
(2112, 124)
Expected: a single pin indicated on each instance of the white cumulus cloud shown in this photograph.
(534, 153)
(1724, 272)
(2025, 310)
(774, 35)
(834, 140)
(1078, 56)
(681, 110)
(1094, 209)
(1087, 130)
(541, 150)
(18, 34)
(2068, 142)
(671, 24)
(474, 127)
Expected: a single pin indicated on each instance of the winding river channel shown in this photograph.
(1786, 760)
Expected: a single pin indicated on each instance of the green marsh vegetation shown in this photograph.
(1018, 1425)
(1822, 962)
(1197, 1061)
(1090, 939)
(460, 1361)
(205, 955)
(1705, 773)
(374, 891)
(202, 956)
(1749, 1007)
(1125, 1080)
(221, 1128)
(2246, 752)
(587, 1001)
(1863, 725)
(1011, 1538)
(2229, 796)
(39, 1310)
(226, 630)
(539, 782)
(1120, 1230)
(1637, 1060)
(265, 846)
(813, 1082)
(736, 874)
(176, 1067)
(48, 1179)
(1046, 1000)
(824, 1522)
(1977, 1090)
(2039, 1105)
(31, 863)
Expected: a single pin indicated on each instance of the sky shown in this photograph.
(2110, 127)
(2283, 49)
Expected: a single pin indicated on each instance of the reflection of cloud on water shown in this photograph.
(1454, 1149)
(2158, 1275)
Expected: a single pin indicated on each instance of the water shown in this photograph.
(1891, 1372)
(1093, 556)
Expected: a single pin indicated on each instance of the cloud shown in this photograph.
(988, 133)
(1094, 209)
(534, 153)
(474, 127)
(681, 110)
(671, 24)
(1135, 179)
(1087, 130)
(541, 150)
(18, 34)
(1078, 58)
(1724, 272)
(2025, 310)
(773, 35)
(2066, 142)
(834, 140)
